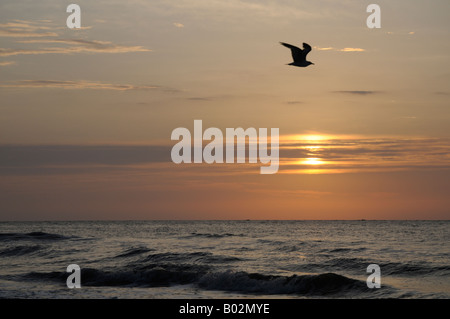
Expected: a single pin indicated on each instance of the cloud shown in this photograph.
(6, 63)
(409, 117)
(22, 34)
(401, 33)
(354, 154)
(198, 98)
(352, 50)
(335, 154)
(75, 85)
(75, 46)
(69, 159)
(294, 102)
(38, 155)
(285, 192)
(178, 25)
(25, 29)
(32, 32)
(340, 50)
(358, 92)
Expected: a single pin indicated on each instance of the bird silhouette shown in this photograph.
(299, 55)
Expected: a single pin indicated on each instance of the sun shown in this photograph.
(312, 161)
(313, 137)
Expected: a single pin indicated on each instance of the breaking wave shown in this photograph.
(320, 284)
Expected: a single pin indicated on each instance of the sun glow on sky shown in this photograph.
(308, 137)
(87, 115)
(312, 161)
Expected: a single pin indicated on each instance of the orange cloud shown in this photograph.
(340, 50)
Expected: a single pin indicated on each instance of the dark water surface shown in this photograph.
(225, 259)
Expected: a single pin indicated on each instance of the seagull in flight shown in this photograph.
(299, 55)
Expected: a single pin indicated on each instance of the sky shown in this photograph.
(86, 115)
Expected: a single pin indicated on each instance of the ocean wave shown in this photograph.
(31, 236)
(289, 248)
(209, 235)
(54, 276)
(414, 269)
(345, 250)
(20, 250)
(134, 251)
(321, 284)
(155, 277)
(229, 281)
(271, 242)
(195, 257)
(387, 268)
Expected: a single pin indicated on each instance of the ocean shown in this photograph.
(225, 259)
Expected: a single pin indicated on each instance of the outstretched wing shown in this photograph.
(306, 49)
(298, 54)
